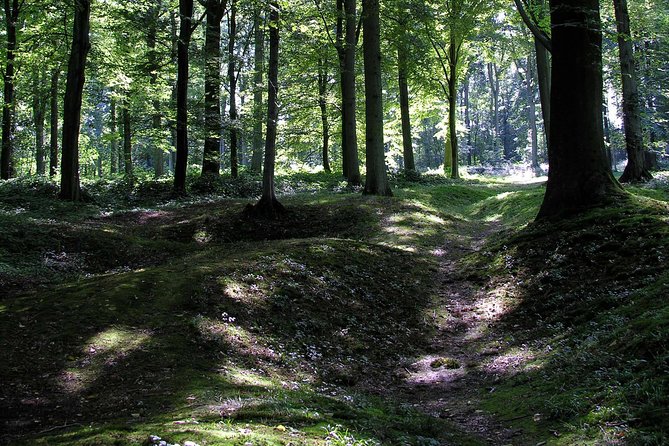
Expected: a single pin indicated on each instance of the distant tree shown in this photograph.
(12, 9)
(69, 178)
(635, 170)
(53, 120)
(232, 89)
(579, 175)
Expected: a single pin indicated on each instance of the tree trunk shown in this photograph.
(232, 85)
(579, 176)
(6, 162)
(53, 143)
(544, 81)
(494, 104)
(154, 66)
(127, 141)
(69, 178)
(186, 13)
(407, 143)
(259, 59)
(376, 181)
(453, 60)
(269, 206)
(635, 170)
(468, 122)
(115, 167)
(322, 103)
(211, 162)
(39, 113)
(349, 123)
(532, 117)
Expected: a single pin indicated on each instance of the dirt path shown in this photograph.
(469, 344)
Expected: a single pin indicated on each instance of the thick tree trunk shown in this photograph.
(579, 176)
(211, 162)
(6, 154)
(407, 143)
(376, 181)
(185, 31)
(323, 104)
(127, 141)
(39, 114)
(349, 122)
(69, 178)
(635, 170)
(53, 143)
(258, 60)
(269, 206)
(232, 85)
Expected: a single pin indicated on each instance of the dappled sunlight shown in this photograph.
(102, 351)
(511, 362)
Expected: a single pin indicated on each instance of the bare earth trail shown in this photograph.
(465, 316)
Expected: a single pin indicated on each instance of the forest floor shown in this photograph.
(441, 316)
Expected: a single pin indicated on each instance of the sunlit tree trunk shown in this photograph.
(323, 104)
(127, 141)
(407, 143)
(211, 161)
(115, 167)
(635, 170)
(232, 86)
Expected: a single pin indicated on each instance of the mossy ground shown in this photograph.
(125, 318)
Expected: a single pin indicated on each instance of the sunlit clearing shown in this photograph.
(512, 362)
(245, 377)
(104, 350)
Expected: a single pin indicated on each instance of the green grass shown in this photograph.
(138, 314)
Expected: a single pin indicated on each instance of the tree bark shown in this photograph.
(69, 178)
(544, 82)
(232, 85)
(53, 143)
(322, 103)
(269, 206)
(211, 162)
(39, 113)
(127, 141)
(7, 152)
(115, 167)
(258, 60)
(532, 117)
(453, 60)
(154, 66)
(348, 90)
(579, 176)
(376, 181)
(185, 31)
(407, 143)
(635, 170)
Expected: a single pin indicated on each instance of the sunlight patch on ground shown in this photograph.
(424, 372)
(246, 377)
(511, 362)
(104, 350)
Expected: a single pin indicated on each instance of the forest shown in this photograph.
(334, 222)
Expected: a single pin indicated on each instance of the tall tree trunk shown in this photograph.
(185, 31)
(232, 85)
(114, 141)
(494, 104)
(258, 61)
(53, 143)
(532, 117)
(127, 141)
(211, 161)
(579, 175)
(453, 60)
(349, 122)
(154, 66)
(69, 178)
(6, 162)
(635, 170)
(468, 121)
(544, 82)
(269, 206)
(323, 104)
(39, 113)
(407, 144)
(376, 181)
